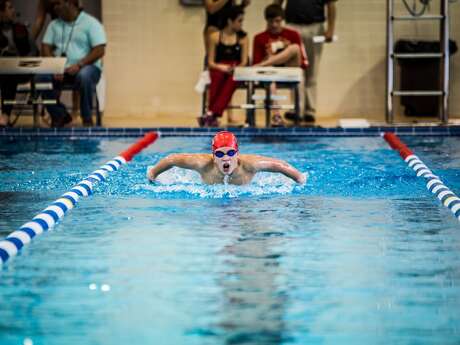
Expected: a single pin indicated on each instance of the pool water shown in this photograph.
(363, 254)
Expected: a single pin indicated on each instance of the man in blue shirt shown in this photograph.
(80, 38)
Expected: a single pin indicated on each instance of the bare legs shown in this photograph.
(291, 56)
(4, 120)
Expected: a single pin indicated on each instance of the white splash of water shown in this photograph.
(187, 181)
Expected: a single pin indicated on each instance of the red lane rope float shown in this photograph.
(433, 182)
(133, 150)
(50, 216)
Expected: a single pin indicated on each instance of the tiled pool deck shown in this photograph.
(193, 131)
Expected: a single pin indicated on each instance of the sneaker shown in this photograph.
(208, 121)
(212, 121)
(87, 122)
(293, 116)
(290, 115)
(308, 118)
(201, 121)
(61, 121)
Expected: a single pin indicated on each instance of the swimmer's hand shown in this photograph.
(302, 178)
(150, 175)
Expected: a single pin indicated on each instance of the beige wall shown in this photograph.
(155, 54)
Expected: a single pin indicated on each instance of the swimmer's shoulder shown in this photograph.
(203, 160)
(250, 162)
(198, 161)
(252, 158)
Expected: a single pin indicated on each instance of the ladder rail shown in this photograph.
(445, 63)
(390, 64)
(424, 17)
(444, 56)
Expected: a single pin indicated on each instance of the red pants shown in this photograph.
(220, 91)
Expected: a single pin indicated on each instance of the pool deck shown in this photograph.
(186, 126)
(248, 132)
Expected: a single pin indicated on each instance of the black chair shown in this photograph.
(268, 106)
(32, 90)
(66, 87)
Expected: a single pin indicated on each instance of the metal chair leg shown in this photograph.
(98, 113)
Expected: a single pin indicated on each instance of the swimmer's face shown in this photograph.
(226, 159)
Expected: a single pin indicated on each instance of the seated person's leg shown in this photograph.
(75, 103)
(8, 92)
(85, 83)
(9, 84)
(223, 97)
(215, 88)
(277, 119)
(291, 56)
(58, 112)
(4, 120)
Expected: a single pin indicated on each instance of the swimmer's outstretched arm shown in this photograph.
(276, 165)
(180, 160)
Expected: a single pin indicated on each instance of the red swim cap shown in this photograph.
(224, 139)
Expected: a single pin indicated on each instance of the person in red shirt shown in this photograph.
(278, 46)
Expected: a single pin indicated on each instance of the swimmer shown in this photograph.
(225, 163)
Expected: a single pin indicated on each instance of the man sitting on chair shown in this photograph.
(80, 38)
(278, 46)
(14, 41)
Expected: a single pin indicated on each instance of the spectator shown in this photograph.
(14, 41)
(278, 46)
(215, 16)
(308, 17)
(227, 48)
(45, 8)
(80, 38)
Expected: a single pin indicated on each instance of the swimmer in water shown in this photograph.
(225, 164)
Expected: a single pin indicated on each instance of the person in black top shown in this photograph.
(45, 8)
(14, 41)
(308, 17)
(215, 16)
(227, 48)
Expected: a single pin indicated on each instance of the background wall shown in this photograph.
(28, 8)
(155, 55)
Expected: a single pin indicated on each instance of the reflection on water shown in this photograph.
(253, 307)
(14, 146)
(360, 255)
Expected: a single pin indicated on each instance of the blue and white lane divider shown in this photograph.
(434, 183)
(47, 219)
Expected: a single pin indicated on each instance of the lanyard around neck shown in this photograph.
(64, 49)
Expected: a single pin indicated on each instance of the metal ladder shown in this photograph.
(443, 55)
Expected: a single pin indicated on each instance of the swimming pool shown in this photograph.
(362, 254)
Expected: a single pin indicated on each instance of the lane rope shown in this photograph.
(50, 216)
(433, 182)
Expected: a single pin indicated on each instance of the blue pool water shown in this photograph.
(363, 254)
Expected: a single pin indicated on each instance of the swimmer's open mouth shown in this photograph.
(226, 166)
